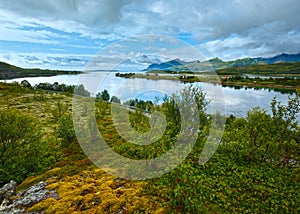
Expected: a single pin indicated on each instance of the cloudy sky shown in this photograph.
(66, 34)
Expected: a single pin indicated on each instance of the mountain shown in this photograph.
(169, 65)
(138, 63)
(216, 63)
(144, 59)
(281, 58)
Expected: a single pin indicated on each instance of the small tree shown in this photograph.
(25, 83)
(186, 103)
(257, 137)
(115, 99)
(66, 130)
(59, 110)
(104, 95)
(286, 129)
(271, 138)
(21, 148)
(81, 91)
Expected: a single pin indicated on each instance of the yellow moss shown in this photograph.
(48, 176)
(93, 191)
(29, 182)
(43, 205)
(52, 186)
(54, 170)
(57, 208)
(111, 205)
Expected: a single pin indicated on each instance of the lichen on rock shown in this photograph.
(25, 199)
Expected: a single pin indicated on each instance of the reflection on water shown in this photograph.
(281, 90)
(238, 100)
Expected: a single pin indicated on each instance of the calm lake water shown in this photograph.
(237, 101)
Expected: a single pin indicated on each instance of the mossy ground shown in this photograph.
(82, 187)
(94, 191)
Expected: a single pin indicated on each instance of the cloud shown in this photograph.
(203, 19)
(44, 60)
(224, 28)
(267, 40)
(34, 36)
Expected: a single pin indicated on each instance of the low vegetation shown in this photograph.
(283, 83)
(255, 169)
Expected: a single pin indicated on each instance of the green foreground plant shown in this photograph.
(23, 151)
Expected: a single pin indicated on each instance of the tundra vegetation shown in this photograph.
(254, 170)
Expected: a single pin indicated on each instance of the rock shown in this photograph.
(7, 191)
(27, 198)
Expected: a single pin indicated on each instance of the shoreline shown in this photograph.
(213, 80)
(261, 85)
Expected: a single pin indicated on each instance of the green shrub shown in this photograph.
(22, 150)
(65, 131)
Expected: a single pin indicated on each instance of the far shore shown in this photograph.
(228, 81)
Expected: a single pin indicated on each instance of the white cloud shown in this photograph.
(224, 28)
(44, 60)
(267, 40)
(38, 36)
(203, 19)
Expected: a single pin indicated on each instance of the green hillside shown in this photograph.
(8, 71)
(292, 68)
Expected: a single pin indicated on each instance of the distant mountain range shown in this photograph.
(216, 63)
(281, 58)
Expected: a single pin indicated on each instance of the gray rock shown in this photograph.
(27, 198)
(7, 191)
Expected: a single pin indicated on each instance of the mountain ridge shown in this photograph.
(217, 63)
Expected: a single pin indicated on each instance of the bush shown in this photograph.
(65, 131)
(104, 95)
(22, 151)
(261, 137)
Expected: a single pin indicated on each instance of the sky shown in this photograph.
(67, 34)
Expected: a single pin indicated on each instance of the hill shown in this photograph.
(8, 71)
(278, 69)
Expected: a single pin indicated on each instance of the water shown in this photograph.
(237, 101)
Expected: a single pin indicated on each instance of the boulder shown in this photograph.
(27, 198)
(7, 191)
